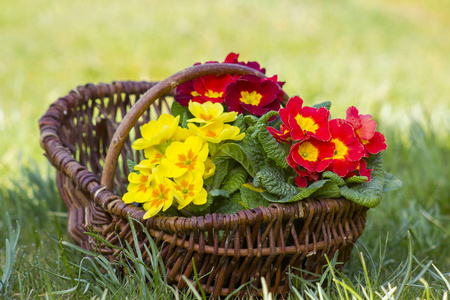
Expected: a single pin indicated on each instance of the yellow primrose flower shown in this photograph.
(182, 157)
(189, 188)
(181, 134)
(139, 188)
(217, 131)
(153, 157)
(157, 132)
(210, 168)
(210, 112)
(161, 197)
(156, 153)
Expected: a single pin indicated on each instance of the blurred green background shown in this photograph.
(387, 58)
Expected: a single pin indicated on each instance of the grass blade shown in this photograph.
(407, 272)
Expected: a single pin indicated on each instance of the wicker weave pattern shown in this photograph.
(229, 250)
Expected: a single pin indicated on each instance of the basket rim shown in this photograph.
(61, 158)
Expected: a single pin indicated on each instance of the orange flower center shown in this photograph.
(156, 203)
(160, 195)
(157, 158)
(143, 185)
(211, 134)
(188, 161)
(186, 189)
(206, 117)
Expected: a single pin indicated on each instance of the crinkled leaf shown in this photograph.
(250, 185)
(209, 181)
(235, 179)
(301, 194)
(271, 147)
(250, 120)
(368, 193)
(334, 177)
(254, 151)
(356, 179)
(275, 123)
(230, 206)
(329, 190)
(235, 152)
(265, 118)
(213, 148)
(274, 150)
(219, 193)
(131, 164)
(239, 123)
(252, 199)
(326, 104)
(274, 181)
(391, 183)
(219, 175)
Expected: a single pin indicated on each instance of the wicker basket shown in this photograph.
(86, 135)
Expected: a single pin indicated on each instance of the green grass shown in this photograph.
(403, 250)
(388, 58)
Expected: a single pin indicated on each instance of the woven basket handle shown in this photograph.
(154, 93)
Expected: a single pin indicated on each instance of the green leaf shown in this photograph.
(254, 151)
(250, 120)
(131, 164)
(215, 194)
(200, 210)
(329, 190)
(237, 177)
(178, 109)
(170, 212)
(219, 175)
(213, 148)
(391, 183)
(265, 118)
(239, 123)
(368, 193)
(235, 152)
(252, 199)
(219, 193)
(275, 198)
(274, 150)
(274, 181)
(231, 206)
(326, 104)
(182, 111)
(334, 177)
(356, 179)
(302, 194)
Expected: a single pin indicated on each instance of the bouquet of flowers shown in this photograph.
(233, 142)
